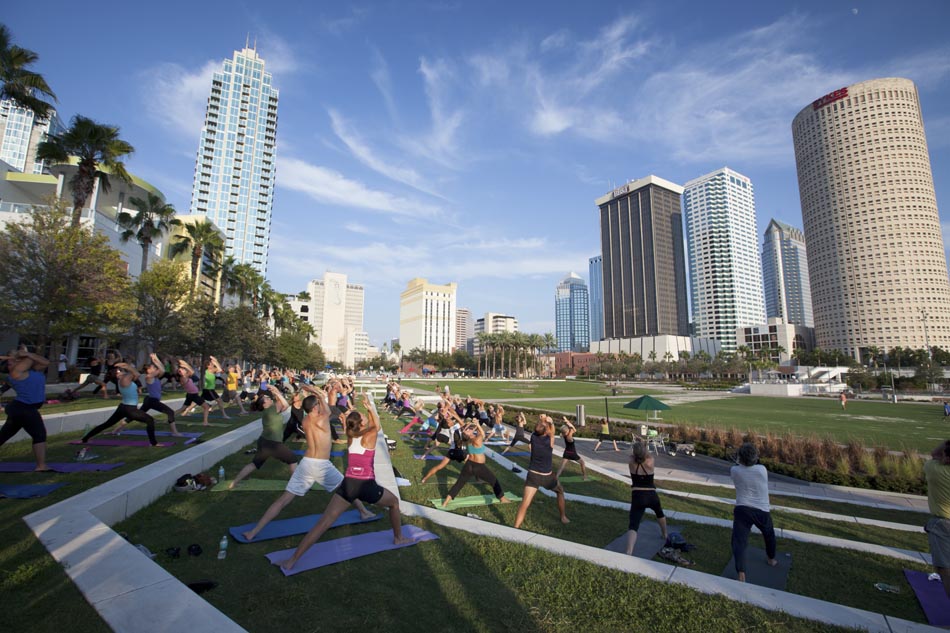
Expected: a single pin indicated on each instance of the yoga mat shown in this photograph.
(347, 548)
(160, 433)
(257, 485)
(107, 442)
(574, 479)
(297, 525)
(302, 452)
(516, 454)
(217, 425)
(60, 467)
(27, 491)
(471, 502)
(649, 540)
(406, 428)
(933, 600)
(433, 458)
(758, 571)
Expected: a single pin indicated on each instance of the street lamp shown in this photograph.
(923, 317)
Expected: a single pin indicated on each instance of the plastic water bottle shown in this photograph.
(221, 473)
(223, 547)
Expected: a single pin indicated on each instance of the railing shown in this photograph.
(19, 207)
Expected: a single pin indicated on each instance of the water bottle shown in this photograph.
(223, 547)
(81, 455)
(221, 473)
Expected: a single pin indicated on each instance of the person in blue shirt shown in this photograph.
(28, 379)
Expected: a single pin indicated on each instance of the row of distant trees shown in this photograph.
(57, 279)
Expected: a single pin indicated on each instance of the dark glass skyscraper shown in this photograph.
(572, 319)
(641, 237)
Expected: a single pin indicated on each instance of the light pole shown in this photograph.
(923, 317)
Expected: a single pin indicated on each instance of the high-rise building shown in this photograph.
(21, 132)
(725, 272)
(464, 328)
(236, 165)
(335, 311)
(427, 316)
(875, 250)
(572, 315)
(596, 268)
(785, 275)
(641, 238)
(493, 323)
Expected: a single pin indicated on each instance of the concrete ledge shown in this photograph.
(77, 420)
(124, 586)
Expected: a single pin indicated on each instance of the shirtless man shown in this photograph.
(315, 467)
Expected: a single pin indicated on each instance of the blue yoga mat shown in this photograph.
(27, 491)
(302, 452)
(933, 600)
(433, 458)
(297, 525)
(516, 453)
(347, 548)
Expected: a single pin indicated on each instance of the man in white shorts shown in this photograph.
(315, 467)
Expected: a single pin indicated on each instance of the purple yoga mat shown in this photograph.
(60, 467)
(933, 600)
(106, 442)
(341, 549)
(159, 433)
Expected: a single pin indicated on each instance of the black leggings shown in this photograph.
(154, 403)
(640, 500)
(23, 416)
(126, 412)
(519, 437)
(743, 518)
(481, 471)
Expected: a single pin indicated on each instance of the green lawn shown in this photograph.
(896, 426)
(27, 571)
(85, 402)
(461, 582)
(515, 389)
(827, 573)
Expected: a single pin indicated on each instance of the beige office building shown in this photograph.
(875, 250)
(427, 316)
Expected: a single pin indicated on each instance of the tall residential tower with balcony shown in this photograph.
(236, 165)
(725, 271)
(785, 275)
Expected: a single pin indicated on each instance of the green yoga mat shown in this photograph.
(470, 502)
(256, 485)
(577, 479)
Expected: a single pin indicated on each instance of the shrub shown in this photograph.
(867, 464)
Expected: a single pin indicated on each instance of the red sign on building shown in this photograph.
(831, 97)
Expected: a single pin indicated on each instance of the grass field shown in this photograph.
(896, 426)
(514, 389)
(46, 601)
(461, 582)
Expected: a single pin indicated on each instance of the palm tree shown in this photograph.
(201, 238)
(19, 84)
(247, 280)
(98, 151)
(153, 218)
(228, 280)
(303, 295)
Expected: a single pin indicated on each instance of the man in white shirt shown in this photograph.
(752, 507)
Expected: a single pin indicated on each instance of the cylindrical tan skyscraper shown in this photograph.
(875, 251)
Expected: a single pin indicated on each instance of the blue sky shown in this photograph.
(467, 141)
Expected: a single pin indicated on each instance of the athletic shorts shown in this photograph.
(311, 470)
(537, 480)
(938, 533)
(572, 455)
(210, 395)
(269, 448)
(92, 379)
(193, 398)
(640, 500)
(603, 437)
(442, 437)
(366, 490)
(499, 428)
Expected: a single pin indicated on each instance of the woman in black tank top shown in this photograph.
(642, 494)
(570, 450)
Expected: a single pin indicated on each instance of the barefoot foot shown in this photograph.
(773, 562)
(249, 535)
(402, 540)
(288, 564)
(565, 520)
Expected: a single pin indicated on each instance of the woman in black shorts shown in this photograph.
(643, 494)
(540, 470)
(272, 406)
(520, 436)
(570, 450)
(359, 482)
(475, 467)
(452, 436)
(28, 378)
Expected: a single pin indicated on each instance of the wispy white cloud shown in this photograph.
(371, 157)
(489, 69)
(440, 144)
(331, 187)
(383, 82)
(356, 227)
(345, 23)
(556, 40)
(176, 96)
(279, 56)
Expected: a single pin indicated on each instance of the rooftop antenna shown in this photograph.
(247, 40)
(255, 43)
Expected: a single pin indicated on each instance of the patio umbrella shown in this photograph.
(647, 403)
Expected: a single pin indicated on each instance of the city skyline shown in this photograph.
(438, 136)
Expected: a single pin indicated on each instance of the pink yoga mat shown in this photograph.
(406, 428)
(341, 549)
(107, 442)
(60, 467)
(933, 600)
